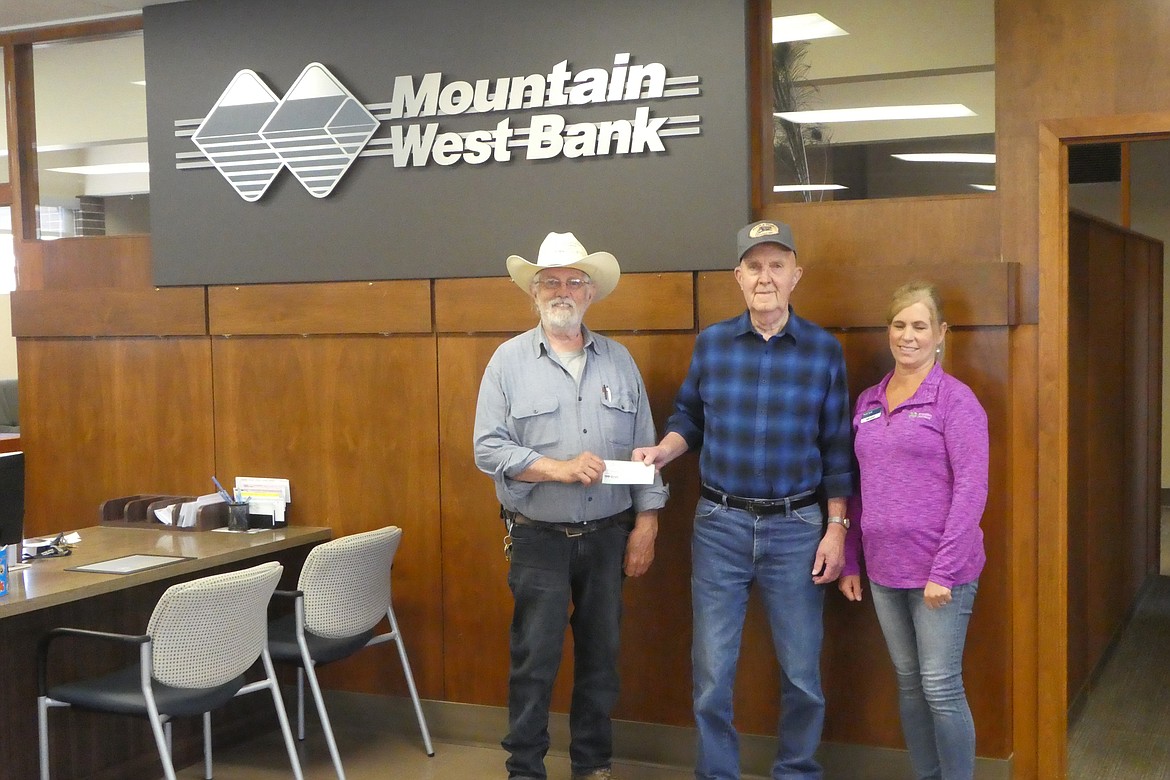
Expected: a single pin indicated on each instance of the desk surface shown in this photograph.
(46, 583)
(9, 442)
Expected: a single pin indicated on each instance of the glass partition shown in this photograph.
(91, 137)
(882, 99)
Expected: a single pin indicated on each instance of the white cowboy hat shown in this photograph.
(563, 250)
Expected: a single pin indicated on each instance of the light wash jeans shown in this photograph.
(731, 549)
(926, 646)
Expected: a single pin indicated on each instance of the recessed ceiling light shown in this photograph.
(877, 113)
(803, 27)
(954, 157)
(987, 187)
(105, 169)
(807, 187)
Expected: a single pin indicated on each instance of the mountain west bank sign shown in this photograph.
(319, 127)
(290, 141)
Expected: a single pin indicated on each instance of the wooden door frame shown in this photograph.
(1051, 652)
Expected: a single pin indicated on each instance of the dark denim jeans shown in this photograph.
(732, 550)
(926, 646)
(549, 571)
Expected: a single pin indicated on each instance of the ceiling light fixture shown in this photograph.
(950, 157)
(985, 187)
(105, 169)
(807, 187)
(877, 113)
(803, 27)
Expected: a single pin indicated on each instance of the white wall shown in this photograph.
(7, 342)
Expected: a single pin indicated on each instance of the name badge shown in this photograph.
(870, 414)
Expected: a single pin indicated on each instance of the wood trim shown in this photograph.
(759, 47)
(402, 306)
(652, 301)
(22, 139)
(61, 32)
(839, 296)
(1051, 559)
(1049, 655)
(168, 311)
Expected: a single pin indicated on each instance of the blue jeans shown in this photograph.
(731, 550)
(926, 646)
(549, 570)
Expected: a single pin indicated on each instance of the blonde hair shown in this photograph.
(918, 292)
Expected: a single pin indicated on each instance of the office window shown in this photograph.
(90, 100)
(882, 99)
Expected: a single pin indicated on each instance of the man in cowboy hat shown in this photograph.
(554, 404)
(765, 399)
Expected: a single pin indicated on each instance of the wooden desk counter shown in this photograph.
(45, 595)
(47, 581)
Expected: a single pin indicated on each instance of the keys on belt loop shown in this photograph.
(508, 547)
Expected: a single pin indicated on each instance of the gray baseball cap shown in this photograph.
(764, 232)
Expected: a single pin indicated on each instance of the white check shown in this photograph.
(627, 472)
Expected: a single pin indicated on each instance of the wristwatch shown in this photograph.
(842, 521)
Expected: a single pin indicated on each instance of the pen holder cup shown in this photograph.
(238, 516)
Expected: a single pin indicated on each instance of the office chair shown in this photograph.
(343, 593)
(202, 637)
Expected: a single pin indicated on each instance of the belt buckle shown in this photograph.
(573, 533)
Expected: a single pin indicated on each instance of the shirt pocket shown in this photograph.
(537, 422)
(618, 412)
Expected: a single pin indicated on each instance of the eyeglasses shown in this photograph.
(574, 283)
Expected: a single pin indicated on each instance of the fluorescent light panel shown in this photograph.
(986, 187)
(803, 27)
(807, 187)
(877, 113)
(106, 169)
(951, 157)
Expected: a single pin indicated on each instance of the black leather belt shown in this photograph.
(759, 506)
(574, 529)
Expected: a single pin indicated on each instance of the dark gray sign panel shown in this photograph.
(303, 140)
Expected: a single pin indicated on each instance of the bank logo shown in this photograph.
(316, 131)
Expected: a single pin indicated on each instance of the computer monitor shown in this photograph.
(11, 497)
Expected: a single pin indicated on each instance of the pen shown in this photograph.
(222, 492)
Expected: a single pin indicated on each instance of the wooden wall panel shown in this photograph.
(70, 263)
(1115, 395)
(109, 417)
(959, 229)
(640, 302)
(335, 307)
(837, 296)
(148, 311)
(352, 423)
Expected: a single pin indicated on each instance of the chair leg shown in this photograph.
(300, 704)
(326, 724)
(281, 715)
(207, 775)
(43, 734)
(422, 721)
(161, 740)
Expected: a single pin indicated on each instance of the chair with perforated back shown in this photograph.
(342, 595)
(201, 639)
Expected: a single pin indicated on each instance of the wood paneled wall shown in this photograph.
(1115, 304)
(364, 396)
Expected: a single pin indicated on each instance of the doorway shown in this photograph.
(1056, 471)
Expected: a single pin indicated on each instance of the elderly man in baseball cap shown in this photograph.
(765, 400)
(554, 404)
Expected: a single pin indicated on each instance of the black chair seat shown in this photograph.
(282, 643)
(121, 692)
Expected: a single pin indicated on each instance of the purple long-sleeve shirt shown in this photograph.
(923, 485)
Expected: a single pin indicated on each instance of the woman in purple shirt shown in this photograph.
(921, 442)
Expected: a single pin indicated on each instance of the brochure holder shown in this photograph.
(138, 511)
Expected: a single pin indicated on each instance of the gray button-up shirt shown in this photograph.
(530, 407)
